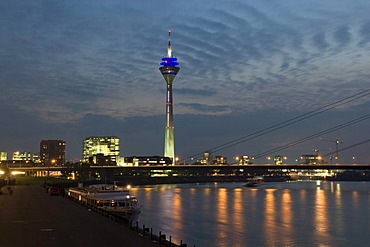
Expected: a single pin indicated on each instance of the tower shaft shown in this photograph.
(169, 74)
(169, 138)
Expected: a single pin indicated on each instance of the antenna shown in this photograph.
(169, 50)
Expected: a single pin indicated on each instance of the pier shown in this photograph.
(30, 217)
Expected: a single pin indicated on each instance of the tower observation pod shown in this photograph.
(169, 69)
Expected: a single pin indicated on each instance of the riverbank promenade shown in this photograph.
(31, 217)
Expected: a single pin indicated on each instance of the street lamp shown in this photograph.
(237, 158)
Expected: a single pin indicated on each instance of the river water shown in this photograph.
(274, 214)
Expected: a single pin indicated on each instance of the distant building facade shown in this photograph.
(220, 160)
(146, 161)
(103, 150)
(205, 159)
(103, 160)
(311, 159)
(26, 156)
(279, 160)
(3, 156)
(244, 160)
(53, 152)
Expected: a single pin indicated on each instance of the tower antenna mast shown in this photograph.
(169, 50)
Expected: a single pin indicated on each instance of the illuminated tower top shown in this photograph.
(169, 60)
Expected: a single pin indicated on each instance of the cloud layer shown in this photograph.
(64, 61)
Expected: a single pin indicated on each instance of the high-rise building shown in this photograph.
(53, 152)
(101, 148)
(169, 69)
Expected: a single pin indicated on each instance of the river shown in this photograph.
(274, 214)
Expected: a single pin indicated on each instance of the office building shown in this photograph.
(26, 156)
(53, 152)
(102, 150)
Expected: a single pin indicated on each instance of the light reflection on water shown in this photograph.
(275, 214)
(320, 215)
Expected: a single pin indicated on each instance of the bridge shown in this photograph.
(197, 173)
(193, 169)
(25, 167)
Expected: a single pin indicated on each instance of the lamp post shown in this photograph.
(269, 159)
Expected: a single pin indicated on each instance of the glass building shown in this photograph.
(96, 147)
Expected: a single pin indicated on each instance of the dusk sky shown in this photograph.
(74, 69)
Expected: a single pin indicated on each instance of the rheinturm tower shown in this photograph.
(169, 69)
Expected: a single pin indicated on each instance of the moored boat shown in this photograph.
(110, 198)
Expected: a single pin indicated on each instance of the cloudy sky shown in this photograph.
(73, 69)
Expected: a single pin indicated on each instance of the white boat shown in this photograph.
(108, 197)
(255, 181)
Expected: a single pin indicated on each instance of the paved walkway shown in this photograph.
(30, 217)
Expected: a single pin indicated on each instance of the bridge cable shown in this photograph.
(286, 123)
(310, 137)
(348, 147)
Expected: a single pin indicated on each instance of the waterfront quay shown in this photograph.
(31, 217)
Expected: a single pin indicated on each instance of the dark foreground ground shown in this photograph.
(31, 217)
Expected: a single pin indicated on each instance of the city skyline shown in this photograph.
(90, 68)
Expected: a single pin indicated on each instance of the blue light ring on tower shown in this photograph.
(171, 64)
(169, 58)
(169, 61)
